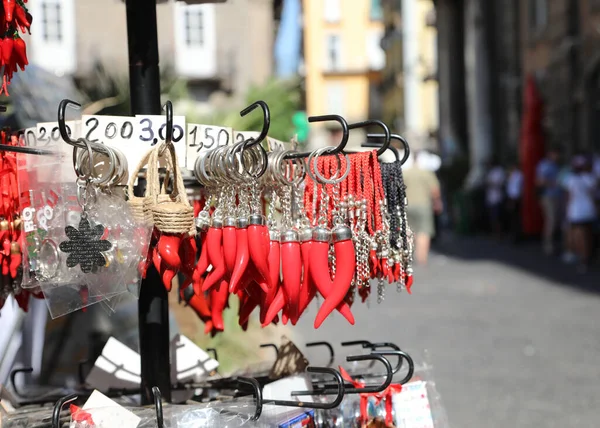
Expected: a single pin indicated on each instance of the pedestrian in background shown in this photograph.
(494, 197)
(581, 209)
(424, 199)
(514, 192)
(549, 192)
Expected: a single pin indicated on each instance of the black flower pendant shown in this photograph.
(85, 246)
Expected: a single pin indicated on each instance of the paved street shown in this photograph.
(513, 336)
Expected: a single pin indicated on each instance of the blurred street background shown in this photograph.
(501, 99)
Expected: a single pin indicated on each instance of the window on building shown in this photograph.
(194, 27)
(376, 10)
(336, 101)
(333, 48)
(51, 21)
(333, 12)
(375, 53)
(538, 15)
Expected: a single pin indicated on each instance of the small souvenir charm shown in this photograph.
(85, 246)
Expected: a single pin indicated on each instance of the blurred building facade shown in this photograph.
(212, 46)
(343, 58)
(486, 52)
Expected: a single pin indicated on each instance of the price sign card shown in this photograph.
(239, 136)
(47, 134)
(412, 408)
(152, 129)
(202, 138)
(277, 145)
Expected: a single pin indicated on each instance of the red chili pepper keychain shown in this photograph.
(242, 256)
(214, 238)
(307, 289)
(291, 264)
(345, 257)
(229, 243)
(256, 246)
(168, 248)
(319, 268)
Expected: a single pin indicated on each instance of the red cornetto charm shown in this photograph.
(291, 266)
(319, 269)
(345, 265)
(214, 238)
(259, 253)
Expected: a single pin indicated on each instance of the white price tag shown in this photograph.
(202, 138)
(240, 136)
(107, 413)
(152, 129)
(48, 133)
(277, 145)
(30, 137)
(110, 130)
(192, 363)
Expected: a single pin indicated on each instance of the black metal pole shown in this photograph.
(144, 82)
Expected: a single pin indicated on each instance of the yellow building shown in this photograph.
(342, 55)
(419, 83)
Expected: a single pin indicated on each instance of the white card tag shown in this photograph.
(152, 129)
(108, 414)
(202, 138)
(117, 367)
(282, 389)
(412, 407)
(240, 136)
(48, 134)
(191, 362)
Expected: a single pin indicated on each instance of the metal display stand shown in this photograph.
(144, 86)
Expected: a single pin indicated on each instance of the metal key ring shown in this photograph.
(112, 162)
(263, 157)
(333, 180)
(80, 175)
(309, 163)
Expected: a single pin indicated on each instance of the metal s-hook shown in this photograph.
(392, 137)
(158, 407)
(271, 345)
(266, 121)
(62, 126)
(401, 355)
(328, 346)
(340, 392)
(364, 343)
(58, 409)
(327, 118)
(168, 108)
(257, 394)
(14, 373)
(386, 132)
(327, 389)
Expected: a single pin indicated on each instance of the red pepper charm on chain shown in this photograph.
(168, 248)
(291, 263)
(345, 257)
(259, 254)
(242, 256)
(319, 268)
(214, 238)
(229, 243)
(307, 289)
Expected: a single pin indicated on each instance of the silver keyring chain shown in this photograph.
(333, 180)
(310, 165)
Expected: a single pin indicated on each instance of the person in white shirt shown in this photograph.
(514, 192)
(494, 196)
(581, 187)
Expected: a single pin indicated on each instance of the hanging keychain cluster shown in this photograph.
(332, 227)
(14, 16)
(11, 235)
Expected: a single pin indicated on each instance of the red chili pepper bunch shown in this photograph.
(11, 236)
(13, 17)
